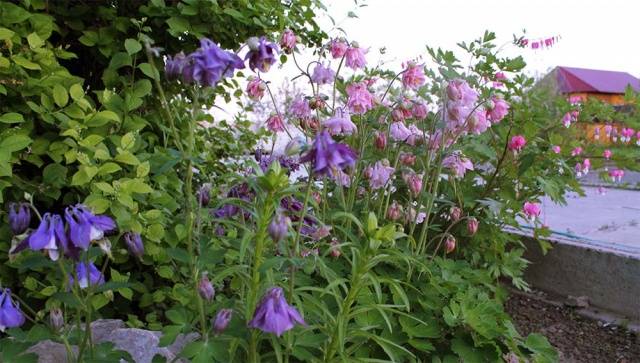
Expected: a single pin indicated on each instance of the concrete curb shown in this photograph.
(607, 275)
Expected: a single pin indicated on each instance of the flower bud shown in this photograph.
(288, 41)
(279, 227)
(134, 244)
(222, 320)
(56, 320)
(295, 146)
(407, 159)
(335, 249)
(450, 244)
(380, 140)
(395, 211)
(455, 214)
(204, 194)
(253, 43)
(472, 226)
(205, 289)
(322, 232)
(317, 103)
(19, 217)
(397, 115)
(414, 182)
(317, 197)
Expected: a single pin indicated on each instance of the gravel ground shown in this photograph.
(576, 338)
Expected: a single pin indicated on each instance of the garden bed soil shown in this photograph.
(578, 339)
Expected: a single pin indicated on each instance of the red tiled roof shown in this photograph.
(592, 80)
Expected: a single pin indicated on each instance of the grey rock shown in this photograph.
(141, 344)
(50, 352)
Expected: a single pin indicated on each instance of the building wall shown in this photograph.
(616, 99)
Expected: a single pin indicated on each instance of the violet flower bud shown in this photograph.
(279, 227)
(19, 217)
(204, 194)
(222, 320)
(134, 243)
(56, 320)
(205, 288)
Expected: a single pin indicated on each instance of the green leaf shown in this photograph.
(60, 96)
(25, 63)
(5, 33)
(149, 71)
(11, 118)
(76, 92)
(15, 143)
(109, 168)
(34, 41)
(102, 118)
(132, 46)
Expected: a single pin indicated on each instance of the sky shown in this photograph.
(595, 33)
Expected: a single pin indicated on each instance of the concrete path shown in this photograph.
(610, 219)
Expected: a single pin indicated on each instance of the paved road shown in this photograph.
(612, 218)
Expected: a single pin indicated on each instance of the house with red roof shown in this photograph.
(607, 86)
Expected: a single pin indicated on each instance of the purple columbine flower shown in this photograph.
(327, 154)
(262, 53)
(222, 320)
(85, 227)
(173, 66)
(49, 236)
(274, 314)
(209, 64)
(10, 314)
(323, 74)
(19, 217)
(88, 274)
(134, 243)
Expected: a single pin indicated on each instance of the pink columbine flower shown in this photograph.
(380, 174)
(338, 48)
(419, 110)
(399, 132)
(395, 211)
(517, 143)
(478, 122)
(556, 149)
(499, 110)
(275, 123)
(416, 136)
(414, 182)
(340, 123)
(459, 91)
(531, 210)
(355, 57)
(288, 41)
(397, 115)
(340, 177)
(576, 151)
(607, 154)
(360, 99)
(255, 88)
(458, 164)
(299, 108)
(500, 76)
(413, 76)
